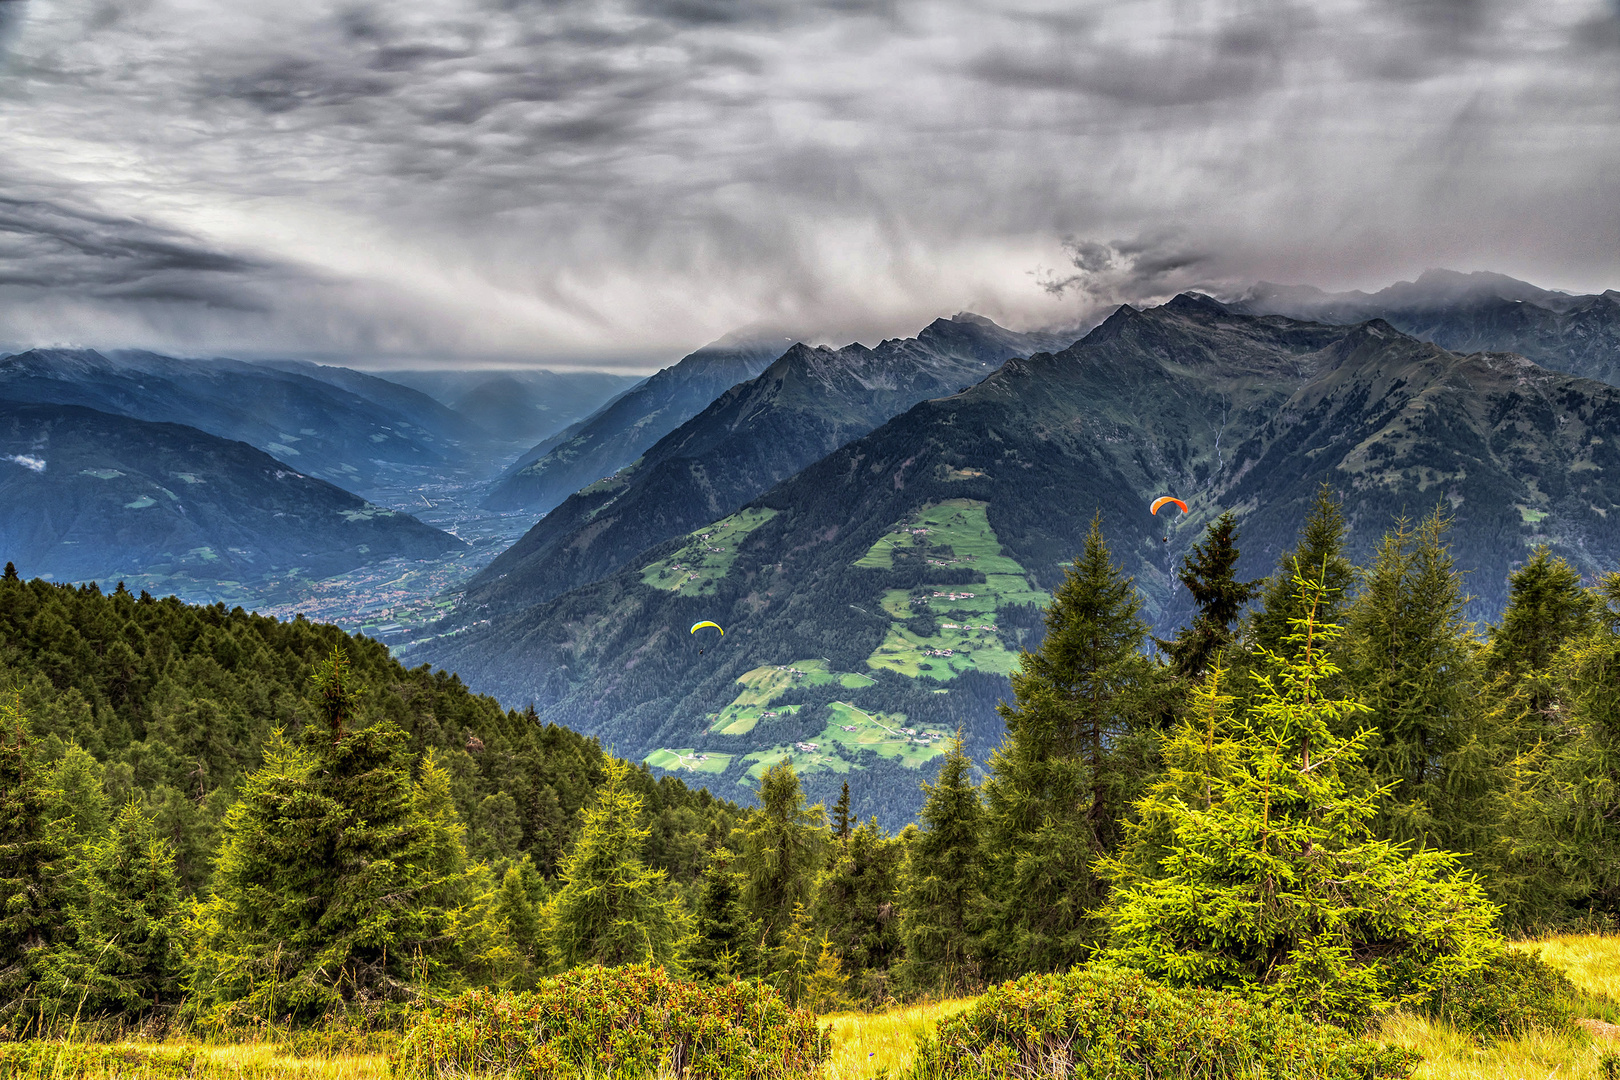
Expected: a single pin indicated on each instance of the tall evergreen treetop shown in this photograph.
(33, 899)
(1210, 573)
(1318, 555)
(725, 941)
(1546, 607)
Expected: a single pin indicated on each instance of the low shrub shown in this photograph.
(626, 1022)
(38, 1059)
(1110, 1024)
(1507, 997)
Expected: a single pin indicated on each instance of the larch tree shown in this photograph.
(611, 908)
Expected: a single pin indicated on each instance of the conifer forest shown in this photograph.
(1327, 800)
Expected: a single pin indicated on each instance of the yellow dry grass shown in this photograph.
(863, 1044)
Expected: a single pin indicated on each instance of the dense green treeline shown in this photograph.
(1330, 791)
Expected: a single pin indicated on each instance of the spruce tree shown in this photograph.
(1081, 740)
(725, 941)
(1413, 660)
(1546, 607)
(856, 901)
(942, 888)
(11, 572)
(610, 908)
(34, 924)
(1319, 555)
(129, 920)
(1209, 572)
(782, 845)
(1566, 818)
(328, 889)
(1250, 864)
(841, 820)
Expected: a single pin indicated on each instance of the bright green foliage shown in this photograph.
(857, 907)
(82, 806)
(782, 846)
(1511, 995)
(826, 990)
(1261, 873)
(1318, 555)
(331, 884)
(790, 963)
(33, 917)
(942, 904)
(518, 914)
(1209, 572)
(128, 959)
(1081, 740)
(1105, 1024)
(611, 908)
(1412, 660)
(634, 1023)
(725, 942)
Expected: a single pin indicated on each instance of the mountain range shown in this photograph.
(622, 430)
(881, 593)
(807, 403)
(92, 495)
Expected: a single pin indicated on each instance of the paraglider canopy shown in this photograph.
(1165, 499)
(698, 626)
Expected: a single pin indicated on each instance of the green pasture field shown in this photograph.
(822, 759)
(707, 556)
(763, 685)
(698, 761)
(882, 733)
(952, 533)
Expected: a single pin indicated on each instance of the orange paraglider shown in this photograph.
(1166, 500)
(1162, 500)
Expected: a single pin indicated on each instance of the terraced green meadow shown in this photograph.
(763, 685)
(953, 533)
(707, 555)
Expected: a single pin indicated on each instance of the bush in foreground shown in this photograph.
(1509, 996)
(630, 1021)
(1110, 1024)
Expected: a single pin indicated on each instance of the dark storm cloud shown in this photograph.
(515, 177)
(73, 250)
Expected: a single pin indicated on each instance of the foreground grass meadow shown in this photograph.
(866, 1045)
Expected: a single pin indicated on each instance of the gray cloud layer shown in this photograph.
(612, 178)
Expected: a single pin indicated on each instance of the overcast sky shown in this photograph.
(618, 181)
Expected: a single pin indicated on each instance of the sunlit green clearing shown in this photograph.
(884, 734)
(957, 524)
(822, 759)
(945, 655)
(688, 760)
(763, 685)
(707, 556)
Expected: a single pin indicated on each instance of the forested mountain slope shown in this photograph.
(88, 495)
(756, 434)
(517, 404)
(177, 703)
(912, 560)
(622, 430)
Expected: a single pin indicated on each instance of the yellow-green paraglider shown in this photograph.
(698, 626)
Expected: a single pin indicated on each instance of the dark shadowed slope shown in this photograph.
(756, 434)
(85, 494)
(319, 428)
(602, 444)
